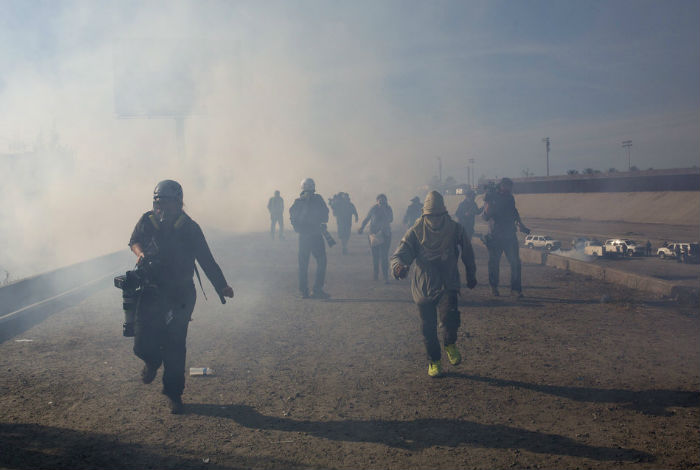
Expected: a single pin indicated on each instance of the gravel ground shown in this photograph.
(579, 374)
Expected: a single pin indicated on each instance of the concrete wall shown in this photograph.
(663, 207)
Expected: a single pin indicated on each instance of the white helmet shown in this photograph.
(308, 184)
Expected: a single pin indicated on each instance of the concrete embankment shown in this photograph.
(662, 207)
(683, 294)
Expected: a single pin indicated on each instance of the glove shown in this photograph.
(471, 283)
(524, 230)
(359, 230)
(400, 271)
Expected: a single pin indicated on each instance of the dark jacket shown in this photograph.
(380, 219)
(308, 213)
(501, 214)
(413, 212)
(466, 211)
(276, 206)
(343, 211)
(431, 278)
(177, 248)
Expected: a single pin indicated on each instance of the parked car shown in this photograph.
(542, 241)
(689, 251)
(594, 248)
(634, 248)
(619, 246)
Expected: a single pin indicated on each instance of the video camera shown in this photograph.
(132, 285)
(329, 238)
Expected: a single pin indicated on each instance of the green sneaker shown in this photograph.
(453, 354)
(434, 368)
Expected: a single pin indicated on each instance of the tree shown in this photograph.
(572, 172)
(612, 170)
(588, 171)
(527, 173)
(634, 168)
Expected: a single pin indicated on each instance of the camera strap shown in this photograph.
(196, 271)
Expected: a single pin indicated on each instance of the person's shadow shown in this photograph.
(649, 402)
(421, 433)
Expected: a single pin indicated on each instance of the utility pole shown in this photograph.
(439, 168)
(546, 146)
(627, 144)
(471, 180)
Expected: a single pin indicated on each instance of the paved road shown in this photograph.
(669, 270)
(580, 374)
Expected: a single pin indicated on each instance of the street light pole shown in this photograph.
(546, 146)
(473, 177)
(627, 144)
(440, 168)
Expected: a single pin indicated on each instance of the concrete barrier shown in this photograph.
(587, 269)
(683, 294)
(528, 255)
(25, 303)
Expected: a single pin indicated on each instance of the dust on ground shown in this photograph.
(579, 374)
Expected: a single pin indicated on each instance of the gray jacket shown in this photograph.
(430, 279)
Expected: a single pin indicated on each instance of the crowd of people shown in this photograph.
(432, 245)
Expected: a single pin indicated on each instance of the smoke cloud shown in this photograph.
(225, 98)
(101, 100)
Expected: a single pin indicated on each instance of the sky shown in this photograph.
(364, 96)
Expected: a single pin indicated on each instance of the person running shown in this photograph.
(435, 244)
(379, 217)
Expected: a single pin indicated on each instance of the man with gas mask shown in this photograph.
(169, 241)
(309, 215)
(435, 243)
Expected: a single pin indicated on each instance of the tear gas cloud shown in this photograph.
(268, 93)
(87, 141)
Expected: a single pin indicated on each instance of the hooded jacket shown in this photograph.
(435, 243)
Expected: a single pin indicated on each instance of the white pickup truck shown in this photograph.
(622, 247)
(669, 251)
(593, 248)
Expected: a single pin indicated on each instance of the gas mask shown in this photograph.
(166, 210)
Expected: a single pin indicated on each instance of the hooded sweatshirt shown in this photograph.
(435, 243)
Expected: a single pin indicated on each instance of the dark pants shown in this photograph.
(276, 220)
(344, 235)
(468, 227)
(161, 334)
(509, 246)
(380, 255)
(311, 245)
(446, 308)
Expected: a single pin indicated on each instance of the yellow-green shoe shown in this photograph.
(453, 354)
(434, 368)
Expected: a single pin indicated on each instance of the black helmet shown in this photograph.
(168, 189)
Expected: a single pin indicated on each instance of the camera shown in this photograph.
(132, 285)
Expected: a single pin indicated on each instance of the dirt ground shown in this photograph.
(579, 374)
